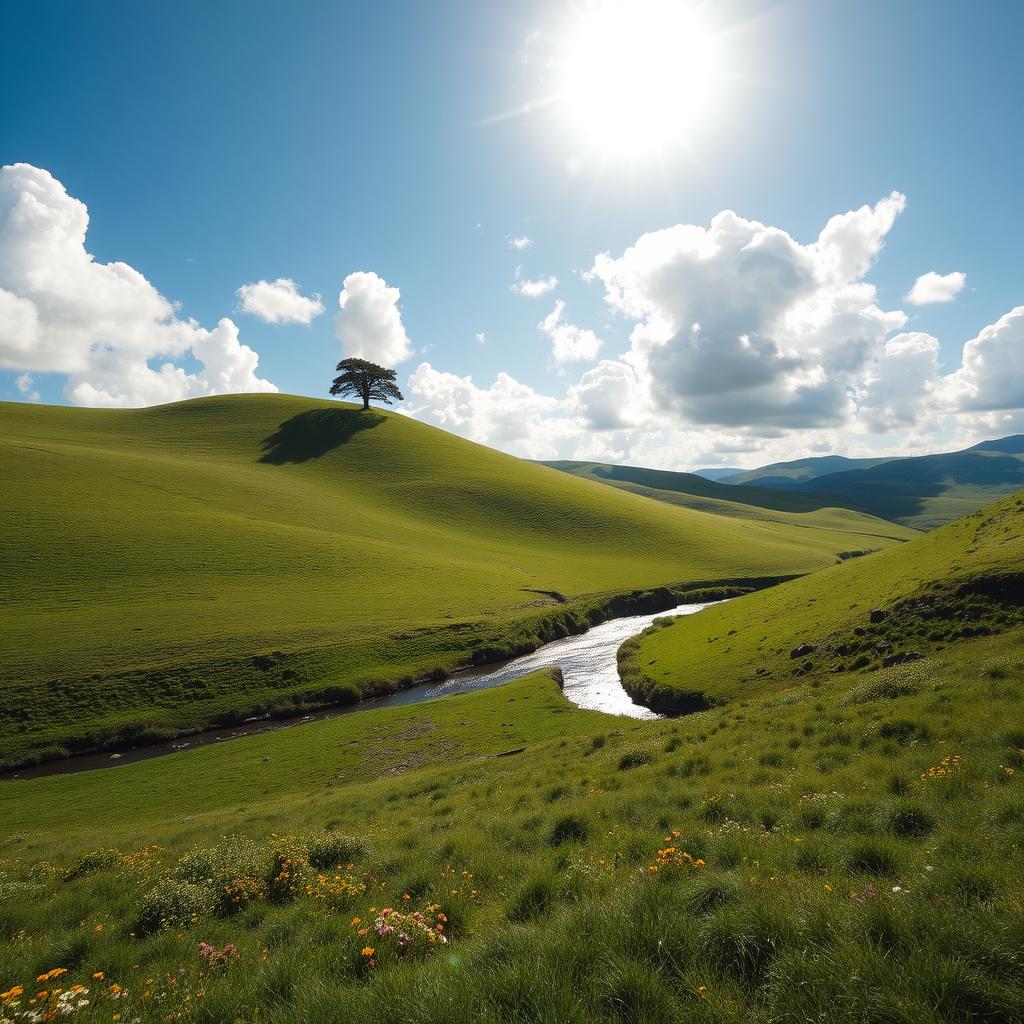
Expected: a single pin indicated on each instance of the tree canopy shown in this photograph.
(366, 380)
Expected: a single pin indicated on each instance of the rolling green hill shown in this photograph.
(786, 474)
(965, 579)
(170, 567)
(687, 490)
(923, 491)
(850, 852)
(929, 490)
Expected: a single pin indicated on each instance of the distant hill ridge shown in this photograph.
(922, 492)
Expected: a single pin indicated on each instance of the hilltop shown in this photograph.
(169, 567)
(963, 580)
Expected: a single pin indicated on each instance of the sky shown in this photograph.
(672, 234)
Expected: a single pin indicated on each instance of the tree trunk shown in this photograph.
(366, 404)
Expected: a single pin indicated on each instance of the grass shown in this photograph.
(843, 852)
(169, 568)
(965, 579)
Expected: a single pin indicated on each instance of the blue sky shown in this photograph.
(217, 144)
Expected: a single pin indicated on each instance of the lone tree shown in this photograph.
(367, 380)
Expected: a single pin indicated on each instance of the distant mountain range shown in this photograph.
(923, 491)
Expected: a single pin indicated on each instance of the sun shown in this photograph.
(637, 77)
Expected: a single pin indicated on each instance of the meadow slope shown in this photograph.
(835, 853)
(965, 579)
(170, 567)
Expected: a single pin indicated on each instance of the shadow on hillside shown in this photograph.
(313, 434)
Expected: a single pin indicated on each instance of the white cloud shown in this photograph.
(520, 243)
(278, 302)
(507, 415)
(481, 338)
(24, 385)
(932, 287)
(535, 289)
(62, 311)
(369, 322)
(897, 386)
(739, 325)
(991, 377)
(569, 343)
(609, 397)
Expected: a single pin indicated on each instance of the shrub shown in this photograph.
(570, 829)
(911, 822)
(174, 904)
(634, 759)
(330, 849)
(871, 858)
(903, 730)
(96, 860)
(533, 901)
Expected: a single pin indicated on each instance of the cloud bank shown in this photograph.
(101, 324)
(744, 340)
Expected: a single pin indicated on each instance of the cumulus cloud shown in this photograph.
(898, 384)
(508, 415)
(738, 324)
(278, 302)
(932, 287)
(102, 324)
(369, 322)
(991, 376)
(569, 343)
(520, 243)
(481, 338)
(608, 397)
(536, 288)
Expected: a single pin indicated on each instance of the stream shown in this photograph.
(589, 672)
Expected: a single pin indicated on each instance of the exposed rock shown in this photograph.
(877, 615)
(902, 658)
(801, 651)
(859, 630)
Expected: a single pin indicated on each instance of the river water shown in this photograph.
(588, 662)
(589, 672)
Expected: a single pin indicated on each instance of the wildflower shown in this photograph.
(98, 975)
(828, 888)
(356, 921)
(368, 951)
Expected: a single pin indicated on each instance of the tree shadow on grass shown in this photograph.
(313, 434)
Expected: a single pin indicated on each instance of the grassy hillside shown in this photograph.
(785, 474)
(848, 852)
(687, 490)
(965, 579)
(929, 490)
(169, 567)
(924, 491)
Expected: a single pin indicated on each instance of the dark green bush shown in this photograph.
(634, 759)
(569, 829)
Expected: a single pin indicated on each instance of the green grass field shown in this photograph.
(965, 579)
(849, 850)
(167, 568)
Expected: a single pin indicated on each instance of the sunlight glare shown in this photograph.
(637, 76)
